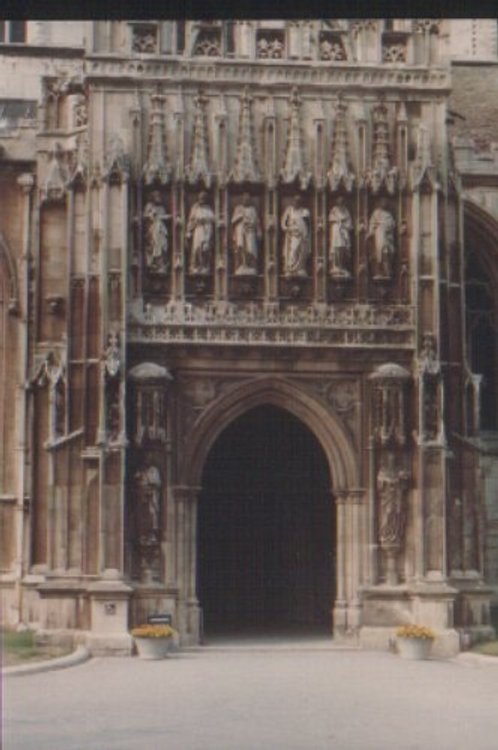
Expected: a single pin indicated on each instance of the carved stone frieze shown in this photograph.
(144, 38)
(299, 75)
(272, 324)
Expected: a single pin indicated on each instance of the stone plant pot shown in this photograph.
(414, 648)
(153, 648)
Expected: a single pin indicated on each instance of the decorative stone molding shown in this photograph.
(273, 325)
(412, 78)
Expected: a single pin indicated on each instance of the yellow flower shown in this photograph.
(153, 631)
(415, 631)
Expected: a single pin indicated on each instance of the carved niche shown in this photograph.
(156, 236)
(340, 250)
(389, 431)
(52, 372)
(147, 486)
(246, 236)
(111, 361)
(150, 383)
(382, 245)
(200, 235)
(430, 381)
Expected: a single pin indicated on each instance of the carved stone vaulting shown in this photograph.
(232, 284)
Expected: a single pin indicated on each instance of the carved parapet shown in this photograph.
(273, 325)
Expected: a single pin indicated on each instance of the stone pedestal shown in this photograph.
(109, 600)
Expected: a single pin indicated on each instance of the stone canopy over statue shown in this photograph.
(296, 249)
(382, 248)
(340, 251)
(200, 233)
(246, 234)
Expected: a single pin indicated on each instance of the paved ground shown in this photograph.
(249, 698)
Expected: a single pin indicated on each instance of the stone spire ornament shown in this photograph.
(157, 168)
(339, 173)
(117, 162)
(295, 163)
(198, 169)
(79, 174)
(382, 174)
(423, 169)
(246, 168)
(54, 188)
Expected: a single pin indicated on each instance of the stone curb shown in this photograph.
(477, 659)
(80, 655)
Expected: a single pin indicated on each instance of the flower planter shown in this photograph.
(153, 648)
(414, 648)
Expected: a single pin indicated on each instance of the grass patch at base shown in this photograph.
(490, 648)
(21, 647)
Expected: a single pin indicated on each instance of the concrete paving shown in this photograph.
(254, 697)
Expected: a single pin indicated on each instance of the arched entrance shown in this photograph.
(266, 528)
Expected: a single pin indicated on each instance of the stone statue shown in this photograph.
(295, 225)
(200, 231)
(391, 486)
(156, 235)
(340, 251)
(381, 228)
(149, 504)
(246, 232)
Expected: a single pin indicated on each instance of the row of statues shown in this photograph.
(246, 235)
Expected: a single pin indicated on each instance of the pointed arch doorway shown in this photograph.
(266, 529)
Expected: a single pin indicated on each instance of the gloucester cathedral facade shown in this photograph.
(248, 277)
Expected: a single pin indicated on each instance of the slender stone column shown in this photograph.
(25, 182)
(185, 499)
(340, 620)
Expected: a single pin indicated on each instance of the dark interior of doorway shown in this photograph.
(266, 529)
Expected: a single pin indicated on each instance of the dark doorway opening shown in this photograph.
(266, 529)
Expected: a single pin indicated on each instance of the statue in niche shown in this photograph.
(392, 484)
(340, 251)
(200, 232)
(148, 481)
(296, 251)
(246, 233)
(381, 229)
(156, 235)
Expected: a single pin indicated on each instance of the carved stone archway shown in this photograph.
(352, 517)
